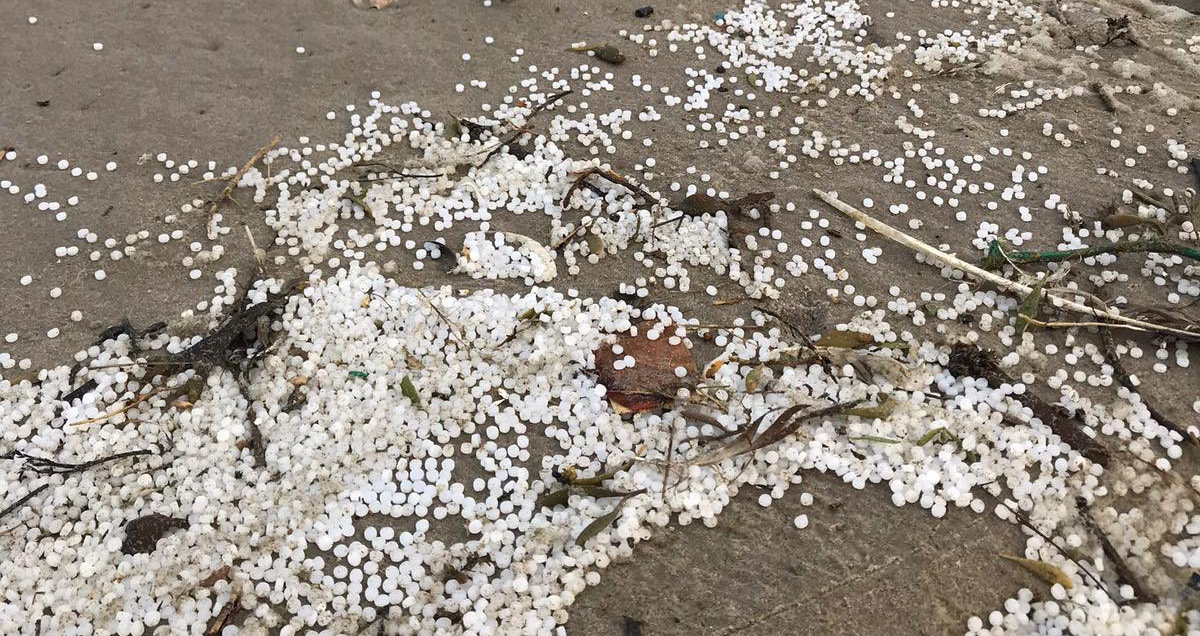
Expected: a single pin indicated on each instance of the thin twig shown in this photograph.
(611, 176)
(1109, 350)
(567, 239)
(47, 466)
(125, 409)
(667, 464)
(233, 181)
(452, 327)
(396, 173)
(21, 502)
(893, 234)
(1110, 551)
(515, 135)
(1024, 521)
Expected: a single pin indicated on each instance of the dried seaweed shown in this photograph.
(967, 360)
(142, 534)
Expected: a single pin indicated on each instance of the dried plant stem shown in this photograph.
(125, 409)
(233, 181)
(893, 234)
(453, 329)
(516, 134)
(1024, 521)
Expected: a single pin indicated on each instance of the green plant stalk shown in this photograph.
(997, 257)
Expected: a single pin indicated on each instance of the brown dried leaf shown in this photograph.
(1045, 571)
(651, 382)
(710, 371)
(220, 574)
(700, 204)
(1124, 219)
(845, 339)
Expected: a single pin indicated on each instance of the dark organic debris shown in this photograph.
(45, 466)
(1109, 350)
(967, 360)
(126, 328)
(1124, 574)
(231, 343)
(1119, 29)
(142, 534)
(461, 574)
(605, 52)
(80, 391)
(740, 222)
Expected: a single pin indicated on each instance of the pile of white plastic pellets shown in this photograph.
(413, 440)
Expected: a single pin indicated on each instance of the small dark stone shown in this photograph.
(43, 102)
(632, 626)
(644, 12)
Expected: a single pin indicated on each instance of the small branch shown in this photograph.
(612, 177)
(452, 328)
(125, 409)
(1024, 521)
(396, 173)
(46, 466)
(1022, 290)
(515, 135)
(22, 501)
(568, 238)
(233, 181)
(1123, 572)
(1109, 350)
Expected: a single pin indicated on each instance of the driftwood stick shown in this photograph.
(1020, 289)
